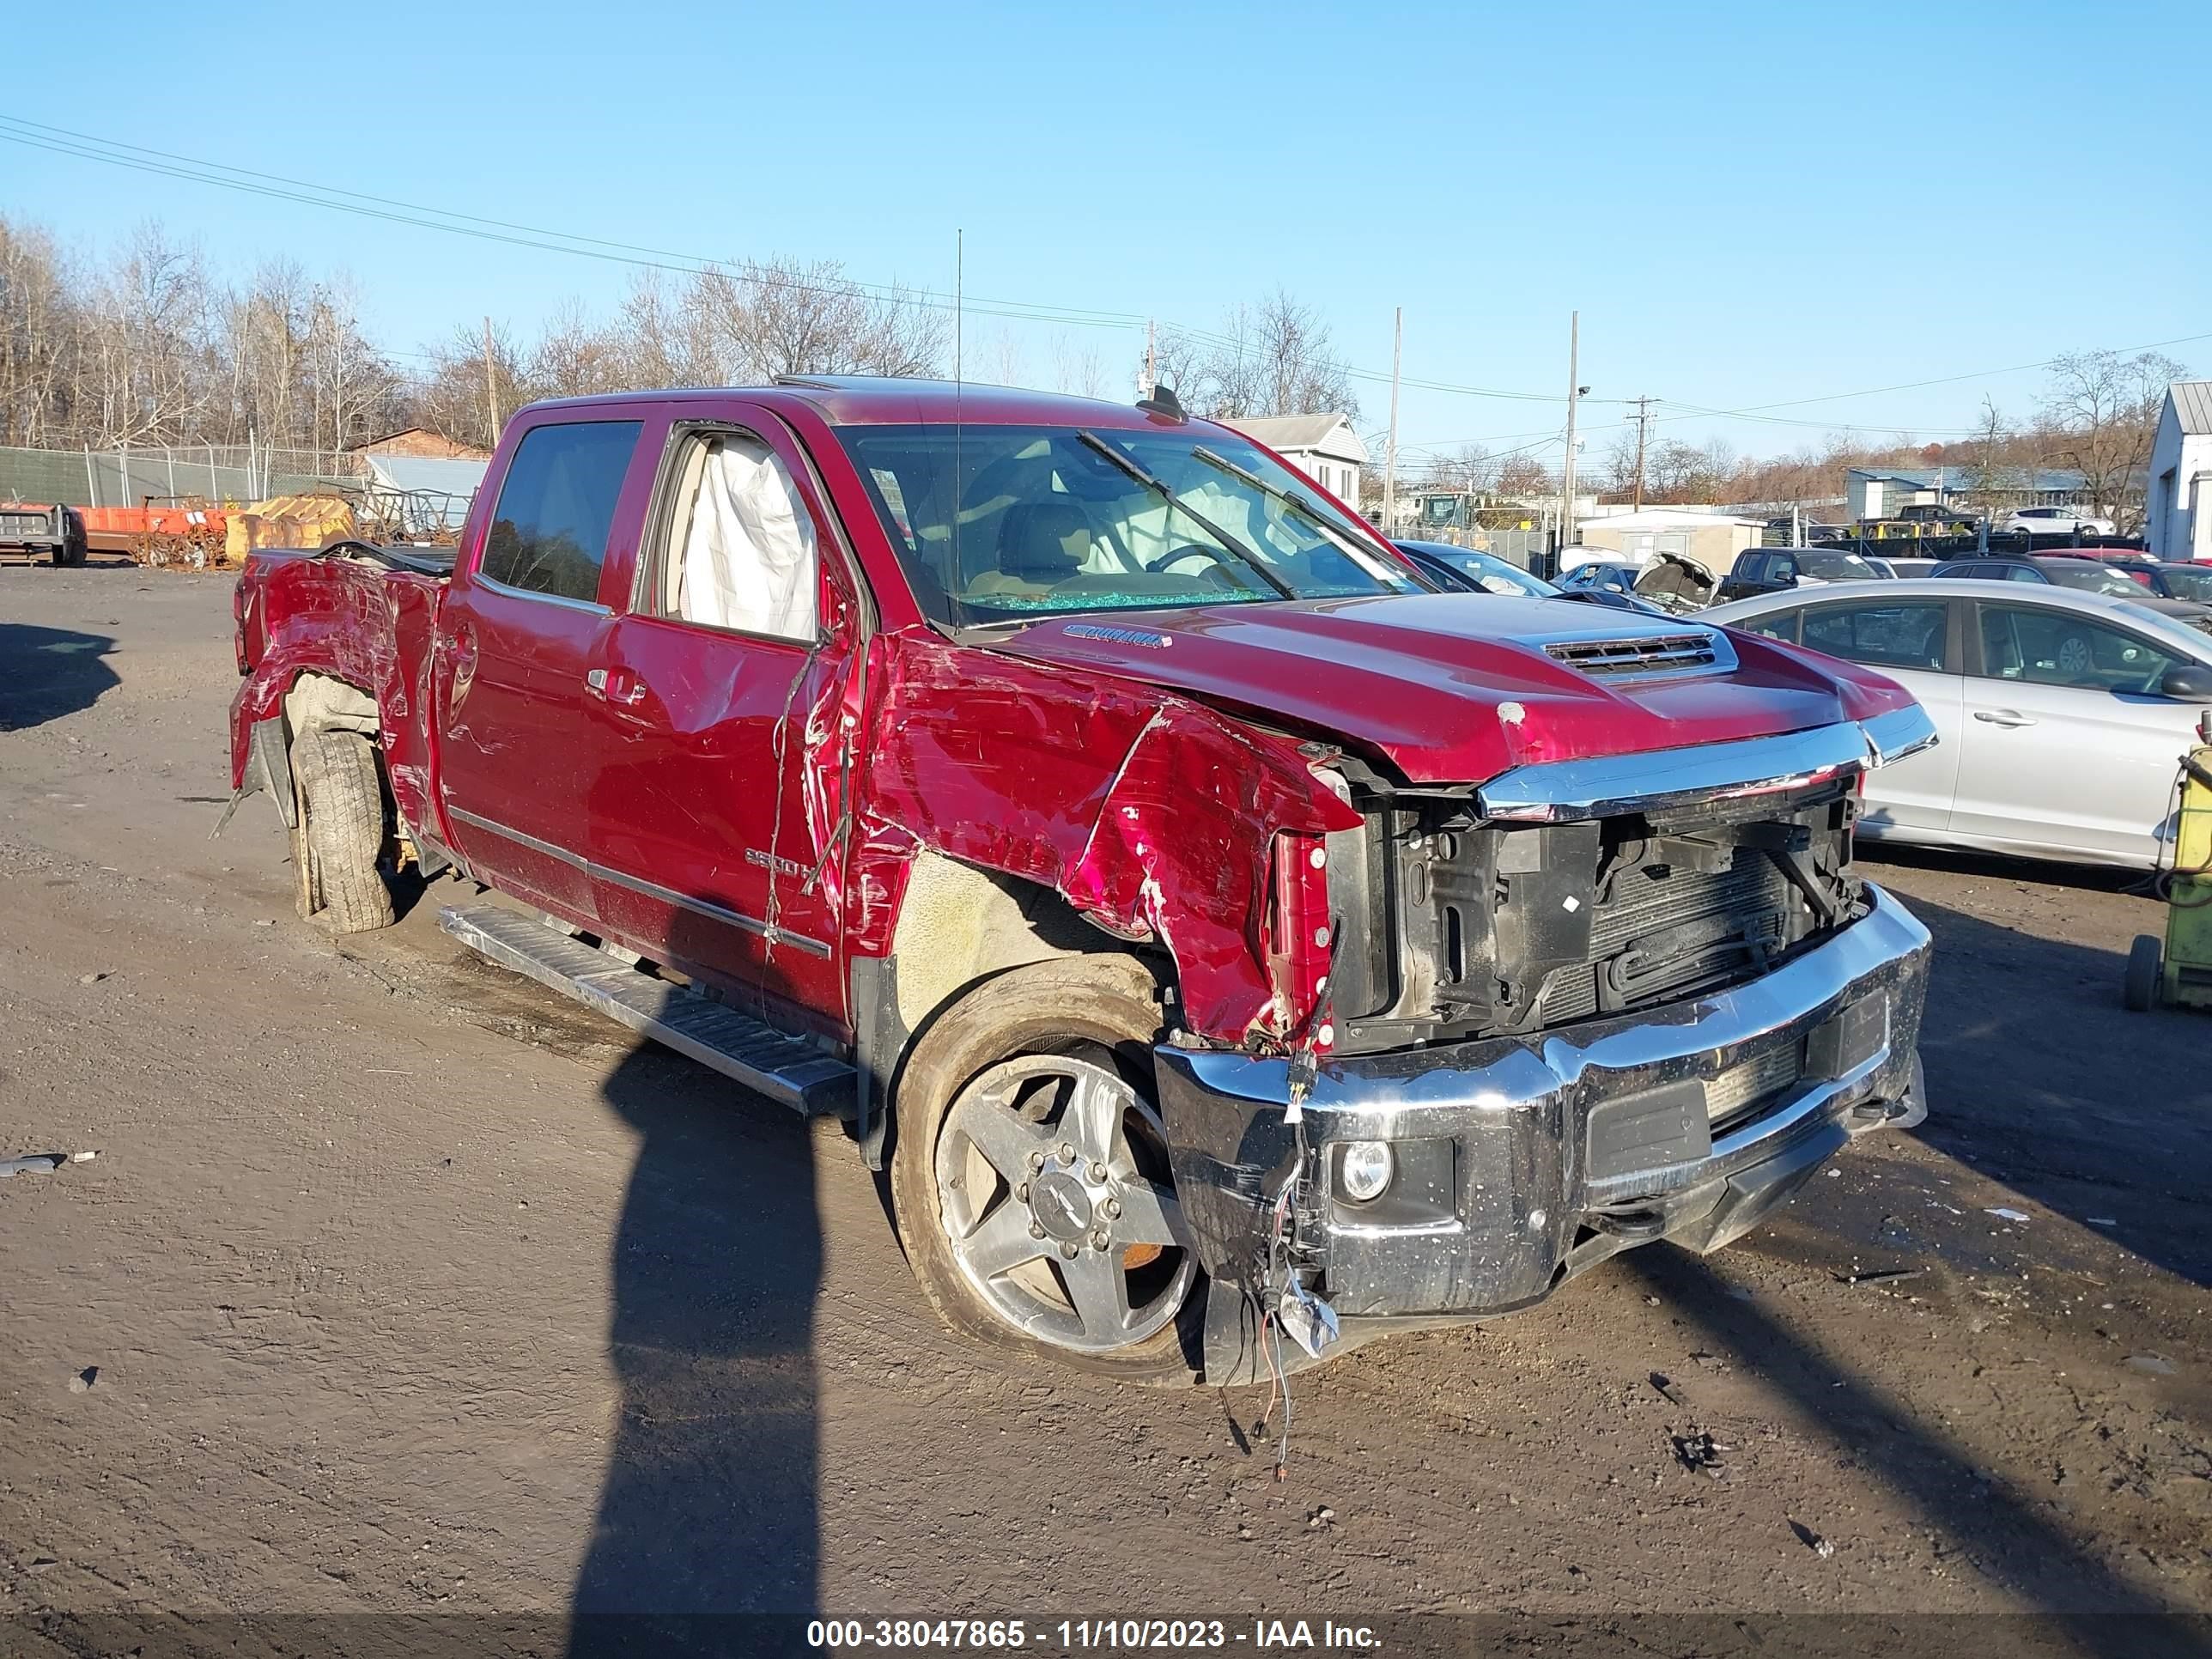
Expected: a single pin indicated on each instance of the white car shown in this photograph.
(2058, 522)
(2062, 715)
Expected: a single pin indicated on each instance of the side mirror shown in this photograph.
(2187, 682)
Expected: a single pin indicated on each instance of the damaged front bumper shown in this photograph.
(1516, 1163)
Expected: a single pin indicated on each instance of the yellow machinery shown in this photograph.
(2180, 973)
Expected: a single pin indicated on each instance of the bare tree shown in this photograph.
(1076, 368)
(2103, 409)
(454, 401)
(789, 317)
(1272, 358)
(576, 357)
(1520, 477)
(38, 334)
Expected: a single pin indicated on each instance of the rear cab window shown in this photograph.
(556, 508)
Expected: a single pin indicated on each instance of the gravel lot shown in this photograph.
(401, 1285)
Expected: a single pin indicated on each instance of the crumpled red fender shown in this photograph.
(1152, 814)
(368, 627)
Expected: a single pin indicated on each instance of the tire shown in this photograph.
(340, 836)
(1030, 1064)
(2145, 970)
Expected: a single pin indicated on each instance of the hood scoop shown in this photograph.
(1705, 652)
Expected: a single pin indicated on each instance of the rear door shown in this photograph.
(719, 690)
(2066, 747)
(522, 623)
(1914, 642)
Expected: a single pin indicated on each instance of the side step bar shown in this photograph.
(763, 1059)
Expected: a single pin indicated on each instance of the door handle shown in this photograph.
(2001, 717)
(614, 685)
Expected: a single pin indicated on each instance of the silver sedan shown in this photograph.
(2062, 714)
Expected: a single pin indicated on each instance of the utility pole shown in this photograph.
(1149, 382)
(491, 386)
(1642, 420)
(959, 302)
(1390, 453)
(1574, 394)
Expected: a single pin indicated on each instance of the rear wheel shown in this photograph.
(2145, 970)
(1030, 1175)
(340, 836)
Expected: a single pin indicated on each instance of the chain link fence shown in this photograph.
(129, 477)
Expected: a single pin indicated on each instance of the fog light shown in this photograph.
(1366, 1169)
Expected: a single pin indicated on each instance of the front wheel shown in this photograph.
(1030, 1177)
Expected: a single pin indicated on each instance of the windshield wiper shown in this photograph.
(1297, 504)
(1230, 544)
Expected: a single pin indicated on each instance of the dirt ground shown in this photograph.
(400, 1285)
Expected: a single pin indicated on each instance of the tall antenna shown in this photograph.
(952, 577)
(1390, 459)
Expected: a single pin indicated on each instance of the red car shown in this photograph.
(1229, 929)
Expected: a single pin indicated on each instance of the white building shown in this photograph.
(1713, 539)
(1322, 446)
(2178, 512)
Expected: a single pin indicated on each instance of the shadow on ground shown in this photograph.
(709, 1515)
(2104, 1115)
(2009, 1537)
(46, 674)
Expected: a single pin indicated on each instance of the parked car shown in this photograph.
(1471, 568)
(2058, 522)
(2086, 574)
(1908, 567)
(2061, 711)
(1465, 569)
(52, 530)
(1225, 918)
(1668, 581)
(2191, 583)
(1772, 569)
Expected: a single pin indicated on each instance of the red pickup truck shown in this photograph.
(1219, 932)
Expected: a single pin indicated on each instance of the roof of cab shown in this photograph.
(874, 400)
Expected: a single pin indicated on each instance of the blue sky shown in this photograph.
(1750, 204)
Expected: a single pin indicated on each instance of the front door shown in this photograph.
(521, 625)
(2067, 746)
(719, 690)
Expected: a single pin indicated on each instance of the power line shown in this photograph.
(64, 141)
(529, 237)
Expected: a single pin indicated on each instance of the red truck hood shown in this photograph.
(1424, 681)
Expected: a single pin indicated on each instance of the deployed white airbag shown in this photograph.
(748, 555)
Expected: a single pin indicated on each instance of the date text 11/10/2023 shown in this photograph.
(1093, 1635)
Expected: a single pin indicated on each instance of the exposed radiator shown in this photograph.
(1660, 937)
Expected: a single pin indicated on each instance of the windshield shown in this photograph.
(2187, 632)
(2188, 581)
(2093, 578)
(1055, 520)
(1838, 567)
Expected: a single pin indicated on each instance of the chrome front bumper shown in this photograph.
(1521, 1161)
